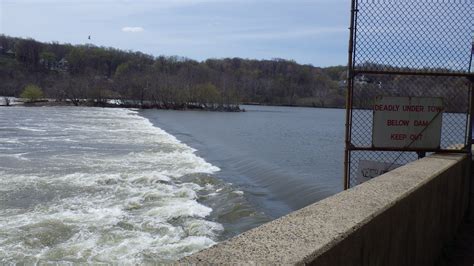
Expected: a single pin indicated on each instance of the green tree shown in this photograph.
(32, 93)
(206, 94)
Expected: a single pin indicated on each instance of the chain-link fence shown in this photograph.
(408, 48)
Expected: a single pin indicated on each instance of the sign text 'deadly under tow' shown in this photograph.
(407, 122)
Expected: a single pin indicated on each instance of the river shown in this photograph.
(93, 185)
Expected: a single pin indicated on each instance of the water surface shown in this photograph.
(283, 158)
(96, 185)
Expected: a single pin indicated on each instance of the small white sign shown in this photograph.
(370, 169)
(407, 122)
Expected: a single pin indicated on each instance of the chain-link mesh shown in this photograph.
(414, 35)
(409, 48)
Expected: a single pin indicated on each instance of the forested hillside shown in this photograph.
(79, 73)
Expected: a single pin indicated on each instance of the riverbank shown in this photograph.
(120, 104)
(113, 103)
(189, 106)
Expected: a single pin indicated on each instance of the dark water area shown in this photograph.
(282, 158)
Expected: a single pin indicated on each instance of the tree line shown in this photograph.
(87, 74)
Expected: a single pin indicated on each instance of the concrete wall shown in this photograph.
(403, 217)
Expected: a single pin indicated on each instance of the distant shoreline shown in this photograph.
(236, 108)
(194, 107)
(189, 107)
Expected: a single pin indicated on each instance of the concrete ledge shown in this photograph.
(403, 217)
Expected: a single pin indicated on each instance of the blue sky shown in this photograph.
(310, 32)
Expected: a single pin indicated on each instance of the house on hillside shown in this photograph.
(10, 53)
(362, 80)
(342, 84)
(62, 65)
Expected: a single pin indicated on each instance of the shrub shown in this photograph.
(32, 93)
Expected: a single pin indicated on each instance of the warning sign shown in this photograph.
(370, 169)
(407, 122)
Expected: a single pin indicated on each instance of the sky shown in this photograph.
(307, 31)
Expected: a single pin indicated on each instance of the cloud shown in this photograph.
(132, 29)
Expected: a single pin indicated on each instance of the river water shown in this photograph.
(115, 185)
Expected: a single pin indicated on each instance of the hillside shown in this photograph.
(77, 72)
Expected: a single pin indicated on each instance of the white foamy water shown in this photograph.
(101, 185)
